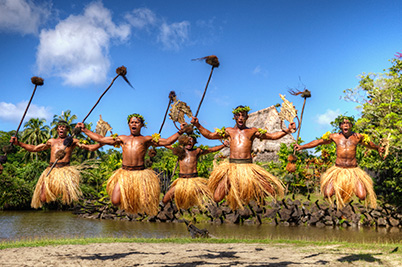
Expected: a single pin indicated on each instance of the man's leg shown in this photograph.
(169, 195)
(116, 195)
(43, 193)
(329, 190)
(221, 190)
(360, 190)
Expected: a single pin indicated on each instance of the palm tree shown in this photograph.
(35, 133)
(65, 116)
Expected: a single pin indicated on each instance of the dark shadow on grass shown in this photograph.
(360, 257)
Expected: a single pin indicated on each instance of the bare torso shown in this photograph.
(241, 142)
(346, 149)
(189, 163)
(56, 145)
(134, 149)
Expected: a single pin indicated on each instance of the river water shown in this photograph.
(23, 225)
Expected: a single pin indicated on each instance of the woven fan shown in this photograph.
(102, 127)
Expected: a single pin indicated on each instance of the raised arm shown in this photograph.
(214, 149)
(313, 144)
(98, 138)
(206, 133)
(276, 135)
(92, 147)
(170, 140)
(30, 148)
(365, 141)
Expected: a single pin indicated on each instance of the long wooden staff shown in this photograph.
(172, 95)
(121, 71)
(305, 94)
(214, 62)
(36, 81)
(291, 166)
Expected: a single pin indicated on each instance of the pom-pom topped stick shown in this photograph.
(172, 97)
(291, 166)
(305, 94)
(37, 81)
(121, 71)
(214, 62)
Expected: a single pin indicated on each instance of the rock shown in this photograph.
(393, 222)
(381, 222)
(232, 218)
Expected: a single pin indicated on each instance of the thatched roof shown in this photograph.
(268, 119)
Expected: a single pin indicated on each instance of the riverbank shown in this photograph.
(186, 252)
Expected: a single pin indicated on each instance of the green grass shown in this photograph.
(381, 247)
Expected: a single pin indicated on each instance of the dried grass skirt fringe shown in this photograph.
(140, 190)
(62, 182)
(344, 182)
(191, 192)
(245, 182)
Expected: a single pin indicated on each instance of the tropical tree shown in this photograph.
(379, 96)
(35, 133)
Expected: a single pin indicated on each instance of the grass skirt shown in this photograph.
(245, 182)
(139, 190)
(61, 182)
(344, 182)
(191, 192)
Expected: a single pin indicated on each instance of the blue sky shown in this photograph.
(265, 48)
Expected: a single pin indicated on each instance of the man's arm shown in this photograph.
(171, 139)
(206, 133)
(98, 138)
(276, 135)
(369, 144)
(30, 148)
(312, 144)
(215, 148)
(92, 147)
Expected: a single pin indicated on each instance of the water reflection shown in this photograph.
(15, 225)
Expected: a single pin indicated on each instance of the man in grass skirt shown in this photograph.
(346, 179)
(239, 180)
(133, 187)
(63, 181)
(189, 189)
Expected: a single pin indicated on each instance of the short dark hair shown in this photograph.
(63, 122)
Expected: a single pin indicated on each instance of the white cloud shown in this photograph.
(77, 48)
(174, 35)
(260, 71)
(141, 18)
(22, 16)
(327, 117)
(13, 113)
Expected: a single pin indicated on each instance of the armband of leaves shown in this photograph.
(84, 142)
(366, 139)
(156, 137)
(326, 136)
(114, 136)
(262, 131)
(222, 132)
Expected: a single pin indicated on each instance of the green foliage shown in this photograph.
(17, 184)
(380, 99)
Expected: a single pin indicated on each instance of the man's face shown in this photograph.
(62, 130)
(191, 143)
(241, 118)
(135, 125)
(346, 126)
